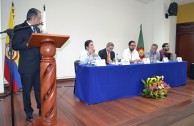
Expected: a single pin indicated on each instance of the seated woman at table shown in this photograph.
(88, 56)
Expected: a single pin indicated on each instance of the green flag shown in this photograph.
(140, 45)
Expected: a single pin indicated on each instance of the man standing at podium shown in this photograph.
(29, 62)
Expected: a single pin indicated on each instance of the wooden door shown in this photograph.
(185, 43)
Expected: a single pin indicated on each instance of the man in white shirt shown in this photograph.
(131, 54)
(88, 56)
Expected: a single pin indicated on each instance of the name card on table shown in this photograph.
(179, 59)
(125, 62)
(146, 60)
(100, 62)
(165, 59)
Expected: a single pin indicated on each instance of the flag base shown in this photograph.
(5, 110)
(6, 92)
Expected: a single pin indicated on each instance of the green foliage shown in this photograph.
(155, 87)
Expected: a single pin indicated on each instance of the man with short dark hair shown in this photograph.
(165, 52)
(152, 53)
(131, 54)
(107, 53)
(29, 61)
(88, 56)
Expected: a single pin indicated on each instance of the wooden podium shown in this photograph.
(48, 44)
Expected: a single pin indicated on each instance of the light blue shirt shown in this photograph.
(87, 59)
(152, 56)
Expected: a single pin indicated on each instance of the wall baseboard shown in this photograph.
(65, 80)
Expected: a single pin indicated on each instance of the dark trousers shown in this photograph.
(30, 80)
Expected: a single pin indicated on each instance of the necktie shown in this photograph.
(34, 29)
(108, 57)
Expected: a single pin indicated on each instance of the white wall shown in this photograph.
(102, 21)
(172, 31)
(159, 29)
(99, 20)
(1, 59)
(156, 24)
(148, 25)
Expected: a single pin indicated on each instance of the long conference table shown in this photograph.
(95, 84)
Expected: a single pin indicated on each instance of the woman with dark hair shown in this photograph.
(88, 56)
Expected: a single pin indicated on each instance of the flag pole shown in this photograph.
(11, 73)
(11, 78)
(44, 20)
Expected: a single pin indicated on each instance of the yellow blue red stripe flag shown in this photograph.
(16, 76)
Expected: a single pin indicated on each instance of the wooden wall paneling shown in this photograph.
(185, 42)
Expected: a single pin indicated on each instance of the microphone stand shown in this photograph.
(10, 33)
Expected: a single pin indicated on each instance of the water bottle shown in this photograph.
(116, 59)
(174, 57)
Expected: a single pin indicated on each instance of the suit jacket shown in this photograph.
(29, 61)
(103, 54)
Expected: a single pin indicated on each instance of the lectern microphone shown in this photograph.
(41, 23)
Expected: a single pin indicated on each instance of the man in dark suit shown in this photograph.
(108, 54)
(29, 61)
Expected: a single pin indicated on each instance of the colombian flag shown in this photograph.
(16, 76)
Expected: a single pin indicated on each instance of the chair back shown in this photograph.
(76, 62)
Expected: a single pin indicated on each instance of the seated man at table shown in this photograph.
(165, 52)
(152, 53)
(131, 54)
(88, 56)
(107, 53)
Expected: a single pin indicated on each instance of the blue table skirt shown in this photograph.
(95, 84)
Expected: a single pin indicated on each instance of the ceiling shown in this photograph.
(180, 2)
